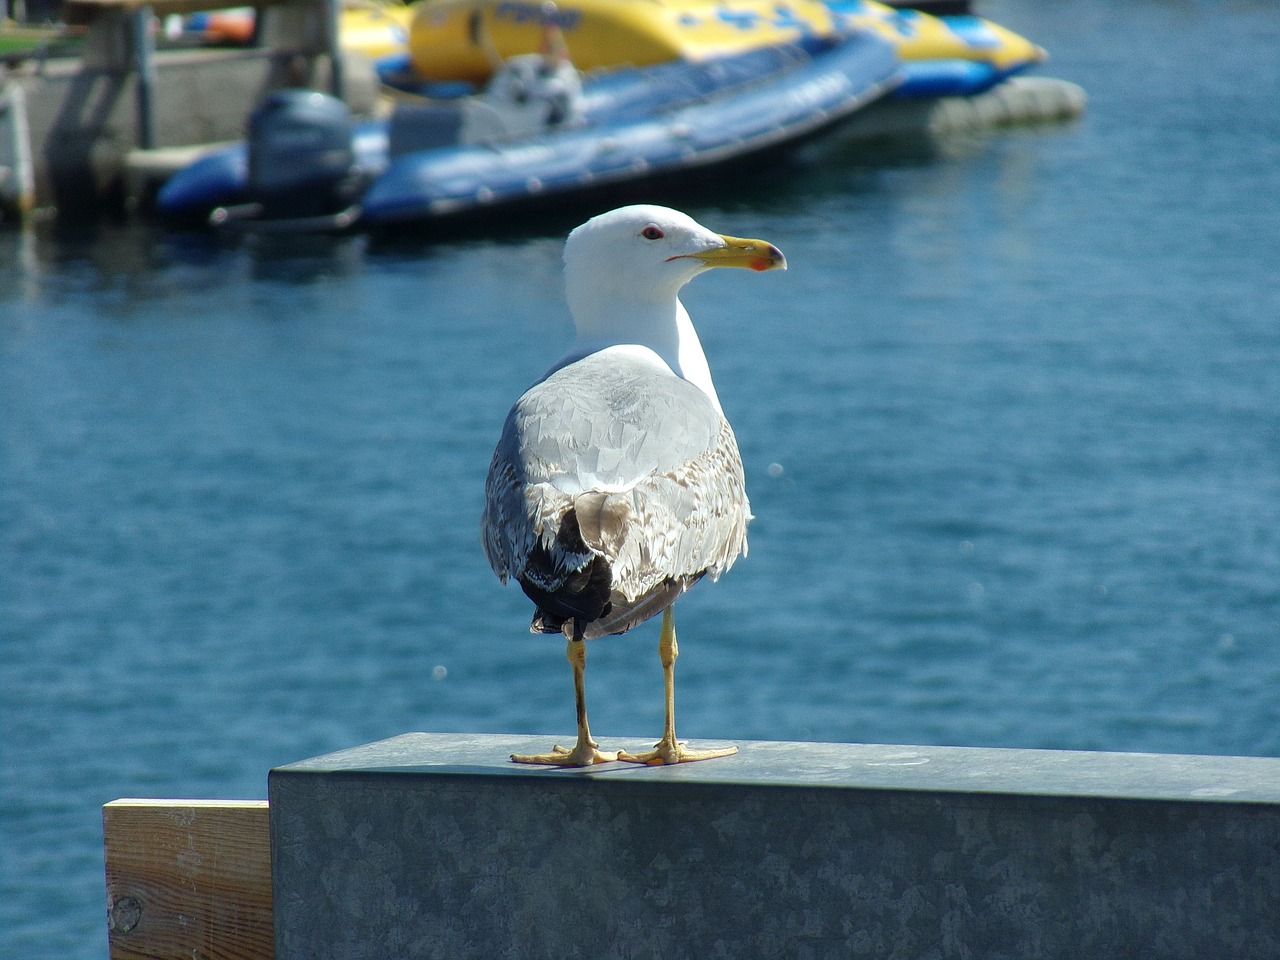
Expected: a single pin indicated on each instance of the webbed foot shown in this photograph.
(673, 751)
(583, 755)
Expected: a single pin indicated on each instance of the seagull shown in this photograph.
(616, 484)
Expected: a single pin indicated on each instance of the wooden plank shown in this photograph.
(188, 879)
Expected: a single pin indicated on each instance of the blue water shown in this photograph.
(1011, 425)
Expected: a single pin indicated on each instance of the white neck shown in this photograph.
(691, 362)
(663, 327)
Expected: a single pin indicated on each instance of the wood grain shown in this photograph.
(189, 879)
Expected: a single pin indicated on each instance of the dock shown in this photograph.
(92, 131)
(435, 845)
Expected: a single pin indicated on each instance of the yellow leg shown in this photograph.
(584, 752)
(668, 749)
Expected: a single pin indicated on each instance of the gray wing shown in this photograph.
(648, 467)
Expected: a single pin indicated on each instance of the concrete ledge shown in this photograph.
(431, 845)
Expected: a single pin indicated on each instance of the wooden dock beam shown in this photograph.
(188, 879)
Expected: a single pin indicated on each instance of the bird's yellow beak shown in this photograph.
(736, 252)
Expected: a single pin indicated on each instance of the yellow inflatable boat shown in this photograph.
(462, 39)
(376, 30)
(919, 36)
(465, 40)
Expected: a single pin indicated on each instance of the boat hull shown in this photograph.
(638, 125)
(817, 90)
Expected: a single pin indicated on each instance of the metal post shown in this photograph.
(333, 47)
(145, 69)
(17, 189)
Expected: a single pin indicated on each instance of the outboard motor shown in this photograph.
(301, 161)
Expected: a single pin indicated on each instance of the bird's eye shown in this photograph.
(652, 232)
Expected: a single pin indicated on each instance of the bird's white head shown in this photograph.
(623, 274)
(626, 267)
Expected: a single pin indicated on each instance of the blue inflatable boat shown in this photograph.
(538, 132)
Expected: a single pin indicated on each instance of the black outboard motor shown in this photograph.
(301, 162)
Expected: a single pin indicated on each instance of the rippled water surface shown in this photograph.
(1011, 425)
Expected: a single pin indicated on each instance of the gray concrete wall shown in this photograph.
(437, 846)
(83, 118)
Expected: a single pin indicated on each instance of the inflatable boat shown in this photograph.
(459, 40)
(947, 56)
(539, 131)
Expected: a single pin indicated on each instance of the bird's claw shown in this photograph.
(669, 751)
(582, 755)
